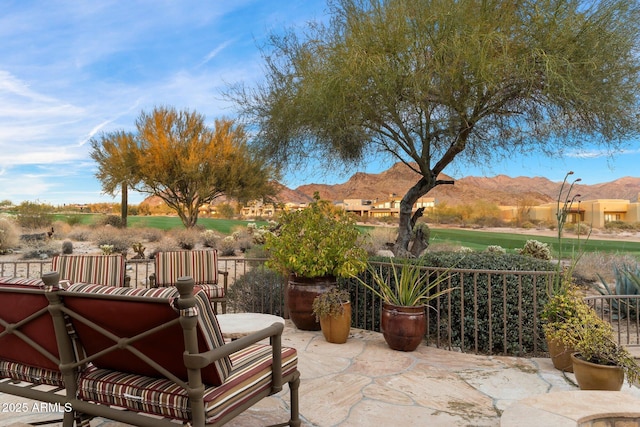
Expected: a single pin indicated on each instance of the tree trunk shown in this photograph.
(405, 226)
(407, 221)
(124, 208)
(420, 239)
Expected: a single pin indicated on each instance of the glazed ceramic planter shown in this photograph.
(301, 292)
(336, 329)
(403, 327)
(591, 376)
(560, 355)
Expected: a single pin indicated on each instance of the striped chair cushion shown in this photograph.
(251, 375)
(108, 270)
(130, 318)
(30, 374)
(202, 266)
(21, 281)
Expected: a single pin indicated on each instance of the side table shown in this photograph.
(238, 325)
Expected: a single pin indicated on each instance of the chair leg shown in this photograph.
(294, 385)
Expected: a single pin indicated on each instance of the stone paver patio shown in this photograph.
(364, 383)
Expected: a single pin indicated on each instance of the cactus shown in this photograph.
(627, 283)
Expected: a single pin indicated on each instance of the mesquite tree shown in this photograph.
(432, 81)
(175, 156)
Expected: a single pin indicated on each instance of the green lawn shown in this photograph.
(477, 240)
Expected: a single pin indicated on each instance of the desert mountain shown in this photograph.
(501, 189)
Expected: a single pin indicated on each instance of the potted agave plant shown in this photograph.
(333, 310)
(405, 290)
(313, 247)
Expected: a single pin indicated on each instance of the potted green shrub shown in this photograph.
(560, 316)
(405, 291)
(313, 246)
(600, 363)
(333, 310)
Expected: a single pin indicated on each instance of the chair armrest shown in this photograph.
(201, 360)
(225, 280)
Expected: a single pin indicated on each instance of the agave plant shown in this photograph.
(627, 282)
(407, 284)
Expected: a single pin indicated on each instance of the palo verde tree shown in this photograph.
(432, 81)
(187, 164)
(114, 153)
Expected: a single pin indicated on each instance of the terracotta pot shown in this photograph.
(336, 329)
(301, 292)
(591, 376)
(560, 355)
(403, 327)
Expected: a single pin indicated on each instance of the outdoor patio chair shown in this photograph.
(107, 270)
(201, 265)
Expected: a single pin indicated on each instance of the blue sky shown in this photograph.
(70, 70)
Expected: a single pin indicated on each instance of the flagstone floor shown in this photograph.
(364, 383)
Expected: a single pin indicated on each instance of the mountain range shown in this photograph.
(500, 189)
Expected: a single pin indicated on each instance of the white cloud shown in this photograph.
(599, 153)
(215, 52)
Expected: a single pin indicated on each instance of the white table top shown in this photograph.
(237, 325)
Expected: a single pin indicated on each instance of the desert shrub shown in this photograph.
(512, 300)
(61, 229)
(72, 220)
(622, 226)
(80, 234)
(111, 220)
(110, 236)
(225, 210)
(227, 246)
(34, 215)
(186, 238)
(256, 251)
(244, 243)
(210, 239)
(9, 235)
(527, 225)
(489, 221)
(593, 266)
(67, 247)
(258, 234)
(41, 250)
(259, 290)
(166, 244)
(495, 249)
(379, 238)
(150, 234)
(536, 249)
(579, 228)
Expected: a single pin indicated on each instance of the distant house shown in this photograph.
(595, 213)
(380, 209)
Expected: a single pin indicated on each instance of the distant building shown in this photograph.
(595, 213)
(380, 209)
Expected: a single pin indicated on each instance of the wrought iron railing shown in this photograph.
(623, 312)
(463, 319)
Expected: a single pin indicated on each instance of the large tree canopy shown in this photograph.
(433, 81)
(176, 157)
